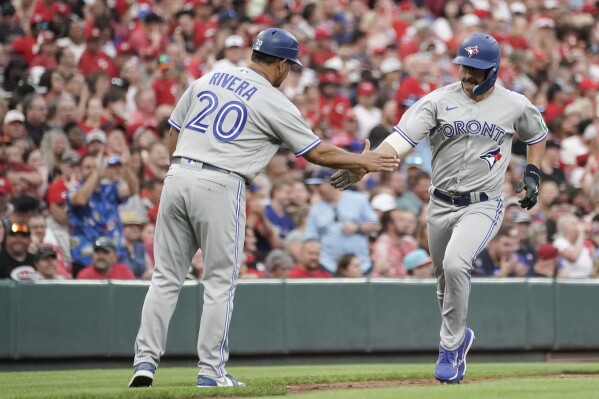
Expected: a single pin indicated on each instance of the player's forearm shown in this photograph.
(535, 153)
(394, 144)
(173, 136)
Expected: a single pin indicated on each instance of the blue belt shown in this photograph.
(207, 166)
(460, 199)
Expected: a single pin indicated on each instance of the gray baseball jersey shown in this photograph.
(471, 145)
(236, 120)
(471, 141)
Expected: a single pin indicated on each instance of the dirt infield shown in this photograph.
(411, 382)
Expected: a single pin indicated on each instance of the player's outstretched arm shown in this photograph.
(334, 157)
(393, 145)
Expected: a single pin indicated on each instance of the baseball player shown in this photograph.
(224, 130)
(470, 125)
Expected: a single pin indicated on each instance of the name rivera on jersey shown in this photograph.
(492, 131)
(229, 82)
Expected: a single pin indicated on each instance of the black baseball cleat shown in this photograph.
(143, 375)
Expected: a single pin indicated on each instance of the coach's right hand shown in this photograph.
(376, 161)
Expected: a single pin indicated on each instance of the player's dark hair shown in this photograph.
(264, 58)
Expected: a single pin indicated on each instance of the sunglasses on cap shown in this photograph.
(19, 228)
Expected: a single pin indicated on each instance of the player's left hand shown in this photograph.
(530, 183)
(345, 178)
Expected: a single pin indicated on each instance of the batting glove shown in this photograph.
(530, 183)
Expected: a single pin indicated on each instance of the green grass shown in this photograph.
(272, 382)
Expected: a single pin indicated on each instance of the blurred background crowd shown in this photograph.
(87, 86)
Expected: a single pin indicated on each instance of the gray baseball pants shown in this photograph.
(456, 236)
(198, 209)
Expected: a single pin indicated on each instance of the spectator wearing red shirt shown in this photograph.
(150, 35)
(333, 106)
(104, 265)
(93, 58)
(45, 56)
(557, 100)
(416, 85)
(165, 85)
(308, 266)
(25, 45)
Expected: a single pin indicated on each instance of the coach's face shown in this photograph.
(283, 69)
(471, 77)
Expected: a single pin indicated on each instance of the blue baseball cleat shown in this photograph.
(451, 365)
(143, 375)
(213, 382)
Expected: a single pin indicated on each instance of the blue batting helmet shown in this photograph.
(480, 51)
(278, 43)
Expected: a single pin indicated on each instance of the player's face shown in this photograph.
(284, 67)
(471, 77)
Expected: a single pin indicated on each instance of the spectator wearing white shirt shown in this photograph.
(233, 54)
(577, 261)
(367, 114)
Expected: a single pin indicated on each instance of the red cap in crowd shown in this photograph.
(93, 33)
(547, 251)
(57, 193)
(330, 77)
(124, 48)
(366, 88)
(5, 185)
(39, 18)
(588, 84)
(322, 33)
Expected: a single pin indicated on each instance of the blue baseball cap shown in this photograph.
(416, 258)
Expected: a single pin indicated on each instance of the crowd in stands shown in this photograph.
(87, 87)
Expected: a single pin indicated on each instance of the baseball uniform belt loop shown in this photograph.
(460, 199)
(203, 165)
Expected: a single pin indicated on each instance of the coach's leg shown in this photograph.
(476, 225)
(174, 246)
(222, 246)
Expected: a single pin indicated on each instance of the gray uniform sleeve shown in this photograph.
(530, 126)
(179, 114)
(289, 126)
(417, 121)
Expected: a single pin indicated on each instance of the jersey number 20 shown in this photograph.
(241, 117)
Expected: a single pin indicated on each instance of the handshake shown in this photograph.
(371, 162)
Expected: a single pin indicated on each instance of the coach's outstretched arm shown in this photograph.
(334, 157)
(394, 145)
